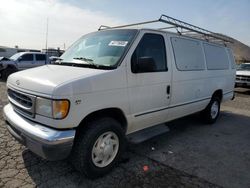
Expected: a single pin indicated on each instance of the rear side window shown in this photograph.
(216, 57)
(40, 57)
(188, 54)
(27, 57)
(152, 46)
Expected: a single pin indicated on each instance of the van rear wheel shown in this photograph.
(97, 148)
(212, 111)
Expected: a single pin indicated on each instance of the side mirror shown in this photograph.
(146, 64)
(20, 58)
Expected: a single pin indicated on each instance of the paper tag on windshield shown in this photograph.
(118, 43)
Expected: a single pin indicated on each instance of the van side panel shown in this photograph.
(192, 89)
(219, 65)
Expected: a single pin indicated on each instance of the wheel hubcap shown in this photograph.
(214, 109)
(105, 149)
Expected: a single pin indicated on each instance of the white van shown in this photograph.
(111, 85)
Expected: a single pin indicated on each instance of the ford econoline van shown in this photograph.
(114, 85)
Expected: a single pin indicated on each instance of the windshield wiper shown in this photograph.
(91, 64)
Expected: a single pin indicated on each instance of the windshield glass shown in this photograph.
(15, 56)
(244, 67)
(103, 48)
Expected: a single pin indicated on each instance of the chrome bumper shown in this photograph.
(46, 142)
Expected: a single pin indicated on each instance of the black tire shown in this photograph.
(81, 156)
(6, 72)
(209, 114)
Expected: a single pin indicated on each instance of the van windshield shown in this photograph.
(99, 49)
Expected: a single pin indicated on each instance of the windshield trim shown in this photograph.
(119, 62)
(85, 65)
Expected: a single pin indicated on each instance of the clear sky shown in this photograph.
(23, 22)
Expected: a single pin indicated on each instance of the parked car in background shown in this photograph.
(21, 61)
(243, 75)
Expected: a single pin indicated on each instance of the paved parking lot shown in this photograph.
(190, 155)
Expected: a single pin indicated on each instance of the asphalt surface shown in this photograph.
(192, 154)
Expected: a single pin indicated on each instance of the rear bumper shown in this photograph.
(46, 142)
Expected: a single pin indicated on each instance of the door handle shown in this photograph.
(168, 89)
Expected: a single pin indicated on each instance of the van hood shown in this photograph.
(243, 72)
(45, 79)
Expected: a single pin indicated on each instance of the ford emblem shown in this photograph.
(18, 82)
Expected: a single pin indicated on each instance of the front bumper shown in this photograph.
(46, 142)
(242, 83)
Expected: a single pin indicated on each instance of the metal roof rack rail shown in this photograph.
(183, 28)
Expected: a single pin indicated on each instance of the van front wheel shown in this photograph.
(212, 111)
(98, 148)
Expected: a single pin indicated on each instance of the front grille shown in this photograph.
(20, 98)
(22, 111)
(23, 103)
(243, 78)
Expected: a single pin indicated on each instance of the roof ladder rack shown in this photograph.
(192, 28)
(183, 28)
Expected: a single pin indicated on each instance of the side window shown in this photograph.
(40, 57)
(188, 54)
(27, 57)
(149, 55)
(216, 57)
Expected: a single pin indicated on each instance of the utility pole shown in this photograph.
(46, 45)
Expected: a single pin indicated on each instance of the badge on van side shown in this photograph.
(78, 101)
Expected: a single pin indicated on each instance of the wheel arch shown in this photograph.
(114, 113)
(218, 93)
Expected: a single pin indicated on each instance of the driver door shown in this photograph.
(149, 92)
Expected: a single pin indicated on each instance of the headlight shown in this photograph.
(57, 109)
